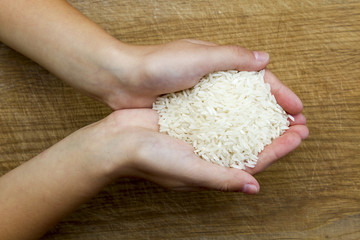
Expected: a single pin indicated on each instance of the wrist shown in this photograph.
(122, 77)
(106, 148)
(119, 138)
(104, 73)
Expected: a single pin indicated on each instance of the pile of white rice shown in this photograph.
(228, 117)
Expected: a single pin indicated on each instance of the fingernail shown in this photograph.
(261, 56)
(250, 189)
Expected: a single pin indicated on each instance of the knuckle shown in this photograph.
(239, 51)
(225, 187)
(233, 182)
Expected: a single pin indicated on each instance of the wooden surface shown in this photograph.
(314, 193)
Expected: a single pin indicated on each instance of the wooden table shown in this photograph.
(313, 193)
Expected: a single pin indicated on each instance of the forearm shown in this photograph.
(61, 39)
(37, 194)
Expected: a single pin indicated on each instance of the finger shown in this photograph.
(203, 175)
(284, 96)
(221, 58)
(280, 147)
(212, 176)
(301, 130)
(299, 119)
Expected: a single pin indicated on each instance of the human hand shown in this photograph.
(150, 71)
(172, 163)
(199, 173)
(128, 144)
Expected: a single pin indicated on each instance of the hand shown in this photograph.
(154, 70)
(172, 163)
(128, 144)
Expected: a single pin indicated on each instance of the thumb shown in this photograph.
(235, 58)
(213, 176)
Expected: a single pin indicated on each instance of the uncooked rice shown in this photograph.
(228, 117)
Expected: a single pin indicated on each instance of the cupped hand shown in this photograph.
(154, 70)
(172, 163)
(128, 144)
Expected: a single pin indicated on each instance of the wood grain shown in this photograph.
(314, 193)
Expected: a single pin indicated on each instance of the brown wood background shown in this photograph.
(314, 193)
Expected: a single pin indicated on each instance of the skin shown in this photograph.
(40, 192)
